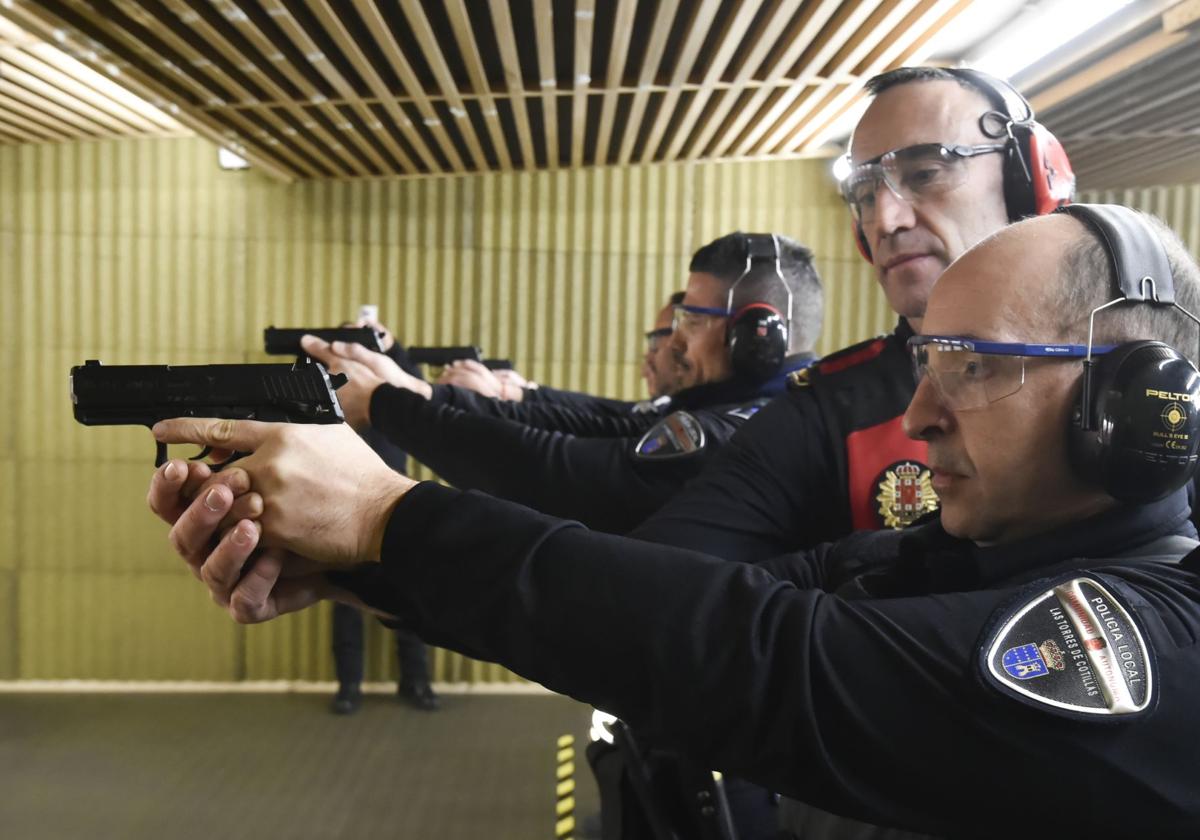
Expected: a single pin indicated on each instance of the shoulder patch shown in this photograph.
(1074, 649)
(676, 435)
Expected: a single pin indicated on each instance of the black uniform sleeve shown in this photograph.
(595, 480)
(576, 418)
(743, 506)
(544, 395)
(865, 708)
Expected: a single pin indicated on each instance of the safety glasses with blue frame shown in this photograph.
(968, 373)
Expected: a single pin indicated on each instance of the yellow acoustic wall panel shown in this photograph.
(142, 251)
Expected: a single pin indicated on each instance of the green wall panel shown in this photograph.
(121, 626)
(143, 251)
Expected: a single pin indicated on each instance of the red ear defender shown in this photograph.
(860, 239)
(1053, 178)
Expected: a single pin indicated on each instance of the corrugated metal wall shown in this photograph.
(142, 251)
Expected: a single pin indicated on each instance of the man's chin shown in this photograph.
(958, 522)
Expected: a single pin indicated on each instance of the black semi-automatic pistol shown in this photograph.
(142, 395)
(442, 356)
(286, 341)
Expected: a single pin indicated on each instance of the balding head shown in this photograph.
(1000, 465)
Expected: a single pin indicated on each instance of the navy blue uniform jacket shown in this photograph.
(846, 676)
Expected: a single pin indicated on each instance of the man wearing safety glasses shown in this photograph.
(566, 411)
(613, 479)
(660, 370)
(1026, 663)
(939, 161)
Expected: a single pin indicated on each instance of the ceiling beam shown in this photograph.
(685, 60)
(848, 28)
(43, 23)
(514, 81)
(797, 37)
(731, 39)
(543, 23)
(460, 22)
(585, 15)
(650, 63)
(445, 79)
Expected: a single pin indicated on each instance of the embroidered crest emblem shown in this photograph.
(905, 494)
(1094, 659)
(1052, 654)
(1025, 662)
(676, 434)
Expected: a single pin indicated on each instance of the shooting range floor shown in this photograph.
(282, 766)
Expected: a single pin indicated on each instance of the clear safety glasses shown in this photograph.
(656, 337)
(969, 374)
(689, 319)
(911, 173)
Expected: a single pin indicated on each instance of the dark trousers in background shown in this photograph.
(348, 650)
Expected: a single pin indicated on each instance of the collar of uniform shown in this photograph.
(738, 390)
(933, 561)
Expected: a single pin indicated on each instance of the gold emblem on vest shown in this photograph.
(798, 379)
(906, 494)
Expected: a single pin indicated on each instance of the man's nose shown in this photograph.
(892, 213)
(925, 416)
(678, 341)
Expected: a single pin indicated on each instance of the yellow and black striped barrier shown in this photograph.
(564, 810)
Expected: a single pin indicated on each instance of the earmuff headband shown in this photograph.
(1141, 266)
(762, 247)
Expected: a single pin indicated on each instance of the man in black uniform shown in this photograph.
(412, 657)
(659, 370)
(613, 482)
(830, 457)
(1024, 665)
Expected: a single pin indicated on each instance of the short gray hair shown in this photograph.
(1088, 280)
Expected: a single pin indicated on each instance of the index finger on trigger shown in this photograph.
(240, 435)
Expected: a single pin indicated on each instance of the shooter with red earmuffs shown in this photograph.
(941, 159)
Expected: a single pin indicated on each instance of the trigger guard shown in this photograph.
(204, 453)
(236, 456)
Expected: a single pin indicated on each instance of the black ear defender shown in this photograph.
(758, 333)
(1038, 178)
(1136, 428)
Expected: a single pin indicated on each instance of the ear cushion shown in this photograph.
(1053, 177)
(1049, 182)
(758, 341)
(1144, 434)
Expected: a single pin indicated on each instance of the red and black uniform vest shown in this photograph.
(862, 392)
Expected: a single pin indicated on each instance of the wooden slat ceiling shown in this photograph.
(48, 96)
(352, 88)
(1128, 109)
